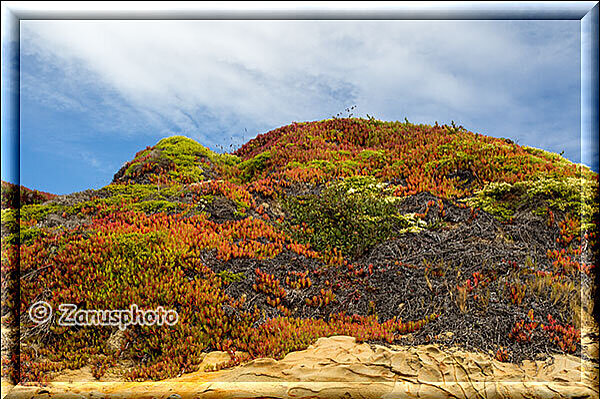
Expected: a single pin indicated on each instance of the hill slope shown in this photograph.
(386, 231)
(14, 196)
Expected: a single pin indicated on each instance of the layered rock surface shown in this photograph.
(341, 367)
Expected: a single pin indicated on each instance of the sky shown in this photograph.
(93, 93)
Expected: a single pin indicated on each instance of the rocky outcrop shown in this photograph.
(340, 367)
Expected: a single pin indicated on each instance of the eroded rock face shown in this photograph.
(340, 367)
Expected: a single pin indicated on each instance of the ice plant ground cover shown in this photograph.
(386, 231)
(13, 196)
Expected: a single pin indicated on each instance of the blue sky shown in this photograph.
(93, 93)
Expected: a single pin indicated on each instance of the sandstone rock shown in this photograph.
(340, 367)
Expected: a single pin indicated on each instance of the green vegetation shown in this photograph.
(151, 207)
(14, 195)
(185, 228)
(144, 191)
(185, 154)
(350, 216)
(228, 276)
(177, 159)
(37, 212)
(254, 165)
(570, 195)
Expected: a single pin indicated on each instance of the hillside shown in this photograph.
(389, 232)
(14, 196)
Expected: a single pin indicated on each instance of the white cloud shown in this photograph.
(267, 73)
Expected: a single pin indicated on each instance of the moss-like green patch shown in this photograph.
(253, 166)
(228, 159)
(30, 234)
(228, 276)
(376, 155)
(177, 159)
(185, 153)
(143, 191)
(10, 227)
(27, 233)
(147, 198)
(547, 156)
(570, 194)
(411, 222)
(9, 216)
(494, 199)
(37, 212)
(151, 207)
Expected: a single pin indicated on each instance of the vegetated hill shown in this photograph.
(14, 196)
(385, 231)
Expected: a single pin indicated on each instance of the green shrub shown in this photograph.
(351, 216)
(572, 195)
(252, 166)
